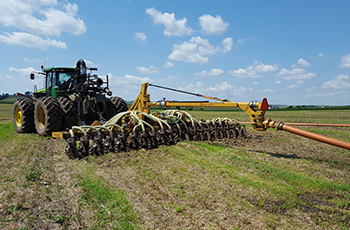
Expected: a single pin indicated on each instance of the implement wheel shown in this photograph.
(120, 104)
(48, 116)
(70, 113)
(23, 115)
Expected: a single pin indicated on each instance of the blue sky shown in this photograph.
(292, 52)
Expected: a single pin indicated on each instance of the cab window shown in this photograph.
(48, 80)
(65, 80)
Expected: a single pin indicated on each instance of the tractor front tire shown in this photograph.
(48, 116)
(120, 104)
(23, 115)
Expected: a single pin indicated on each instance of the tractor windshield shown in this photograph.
(65, 80)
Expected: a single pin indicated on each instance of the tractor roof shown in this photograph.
(58, 68)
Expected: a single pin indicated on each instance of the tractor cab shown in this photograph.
(61, 81)
(58, 80)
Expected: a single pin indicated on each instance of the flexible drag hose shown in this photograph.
(308, 124)
(313, 124)
(317, 137)
(71, 131)
(114, 125)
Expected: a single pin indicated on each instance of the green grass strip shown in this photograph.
(113, 208)
(7, 131)
(279, 181)
(270, 172)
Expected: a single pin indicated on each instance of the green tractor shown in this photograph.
(72, 96)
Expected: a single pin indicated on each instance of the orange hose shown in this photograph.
(313, 124)
(309, 124)
(317, 137)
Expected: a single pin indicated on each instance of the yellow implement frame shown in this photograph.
(255, 110)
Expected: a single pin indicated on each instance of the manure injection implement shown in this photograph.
(139, 128)
(74, 100)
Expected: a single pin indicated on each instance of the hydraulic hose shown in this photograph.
(314, 136)
(114, 125)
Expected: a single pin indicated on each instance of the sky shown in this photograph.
(290, 52)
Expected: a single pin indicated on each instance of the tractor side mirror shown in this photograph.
(32, 76)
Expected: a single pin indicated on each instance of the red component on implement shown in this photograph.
(23, 95)
(264, 105)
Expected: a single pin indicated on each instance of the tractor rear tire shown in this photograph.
(48, 116)
(120, 104)
(23, 115)
(70, 113)
(111, 110)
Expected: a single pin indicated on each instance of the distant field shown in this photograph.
(10, 100)
(271, 180)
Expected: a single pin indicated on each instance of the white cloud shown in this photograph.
(222, 90)
(345, 61)
(293, 86)
(222, 87)
(42, 2)
(150, 70)
(127, 86)
(303, 63)
(198, 50)
(253, 70)
(9, 77)
(296, 74)
(140, 36)
(267, 91)
(214, 72)
(169, 64)
(320, 55)
(278, 82)
(261, 68)
(173, 77)
(241, 40)
(300, 82)
(50, 21)
(90, 63)
(30, 40)
(18, 80)
(227, 43)
(136, 80)
(211, 25)
(255, 83)
(338, 82)
(311, 89)
(173, 27)
(37, 18)
(22, 71)
(245, 73)
(128, 80)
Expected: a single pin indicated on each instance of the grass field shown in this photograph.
(271, 180)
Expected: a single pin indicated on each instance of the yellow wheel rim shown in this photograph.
(18, 117)
(41, 118)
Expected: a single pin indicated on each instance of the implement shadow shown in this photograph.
(279, 155)
(294, 156)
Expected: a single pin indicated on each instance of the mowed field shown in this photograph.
(270, 180)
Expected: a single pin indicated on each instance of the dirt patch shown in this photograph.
(6, 118)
